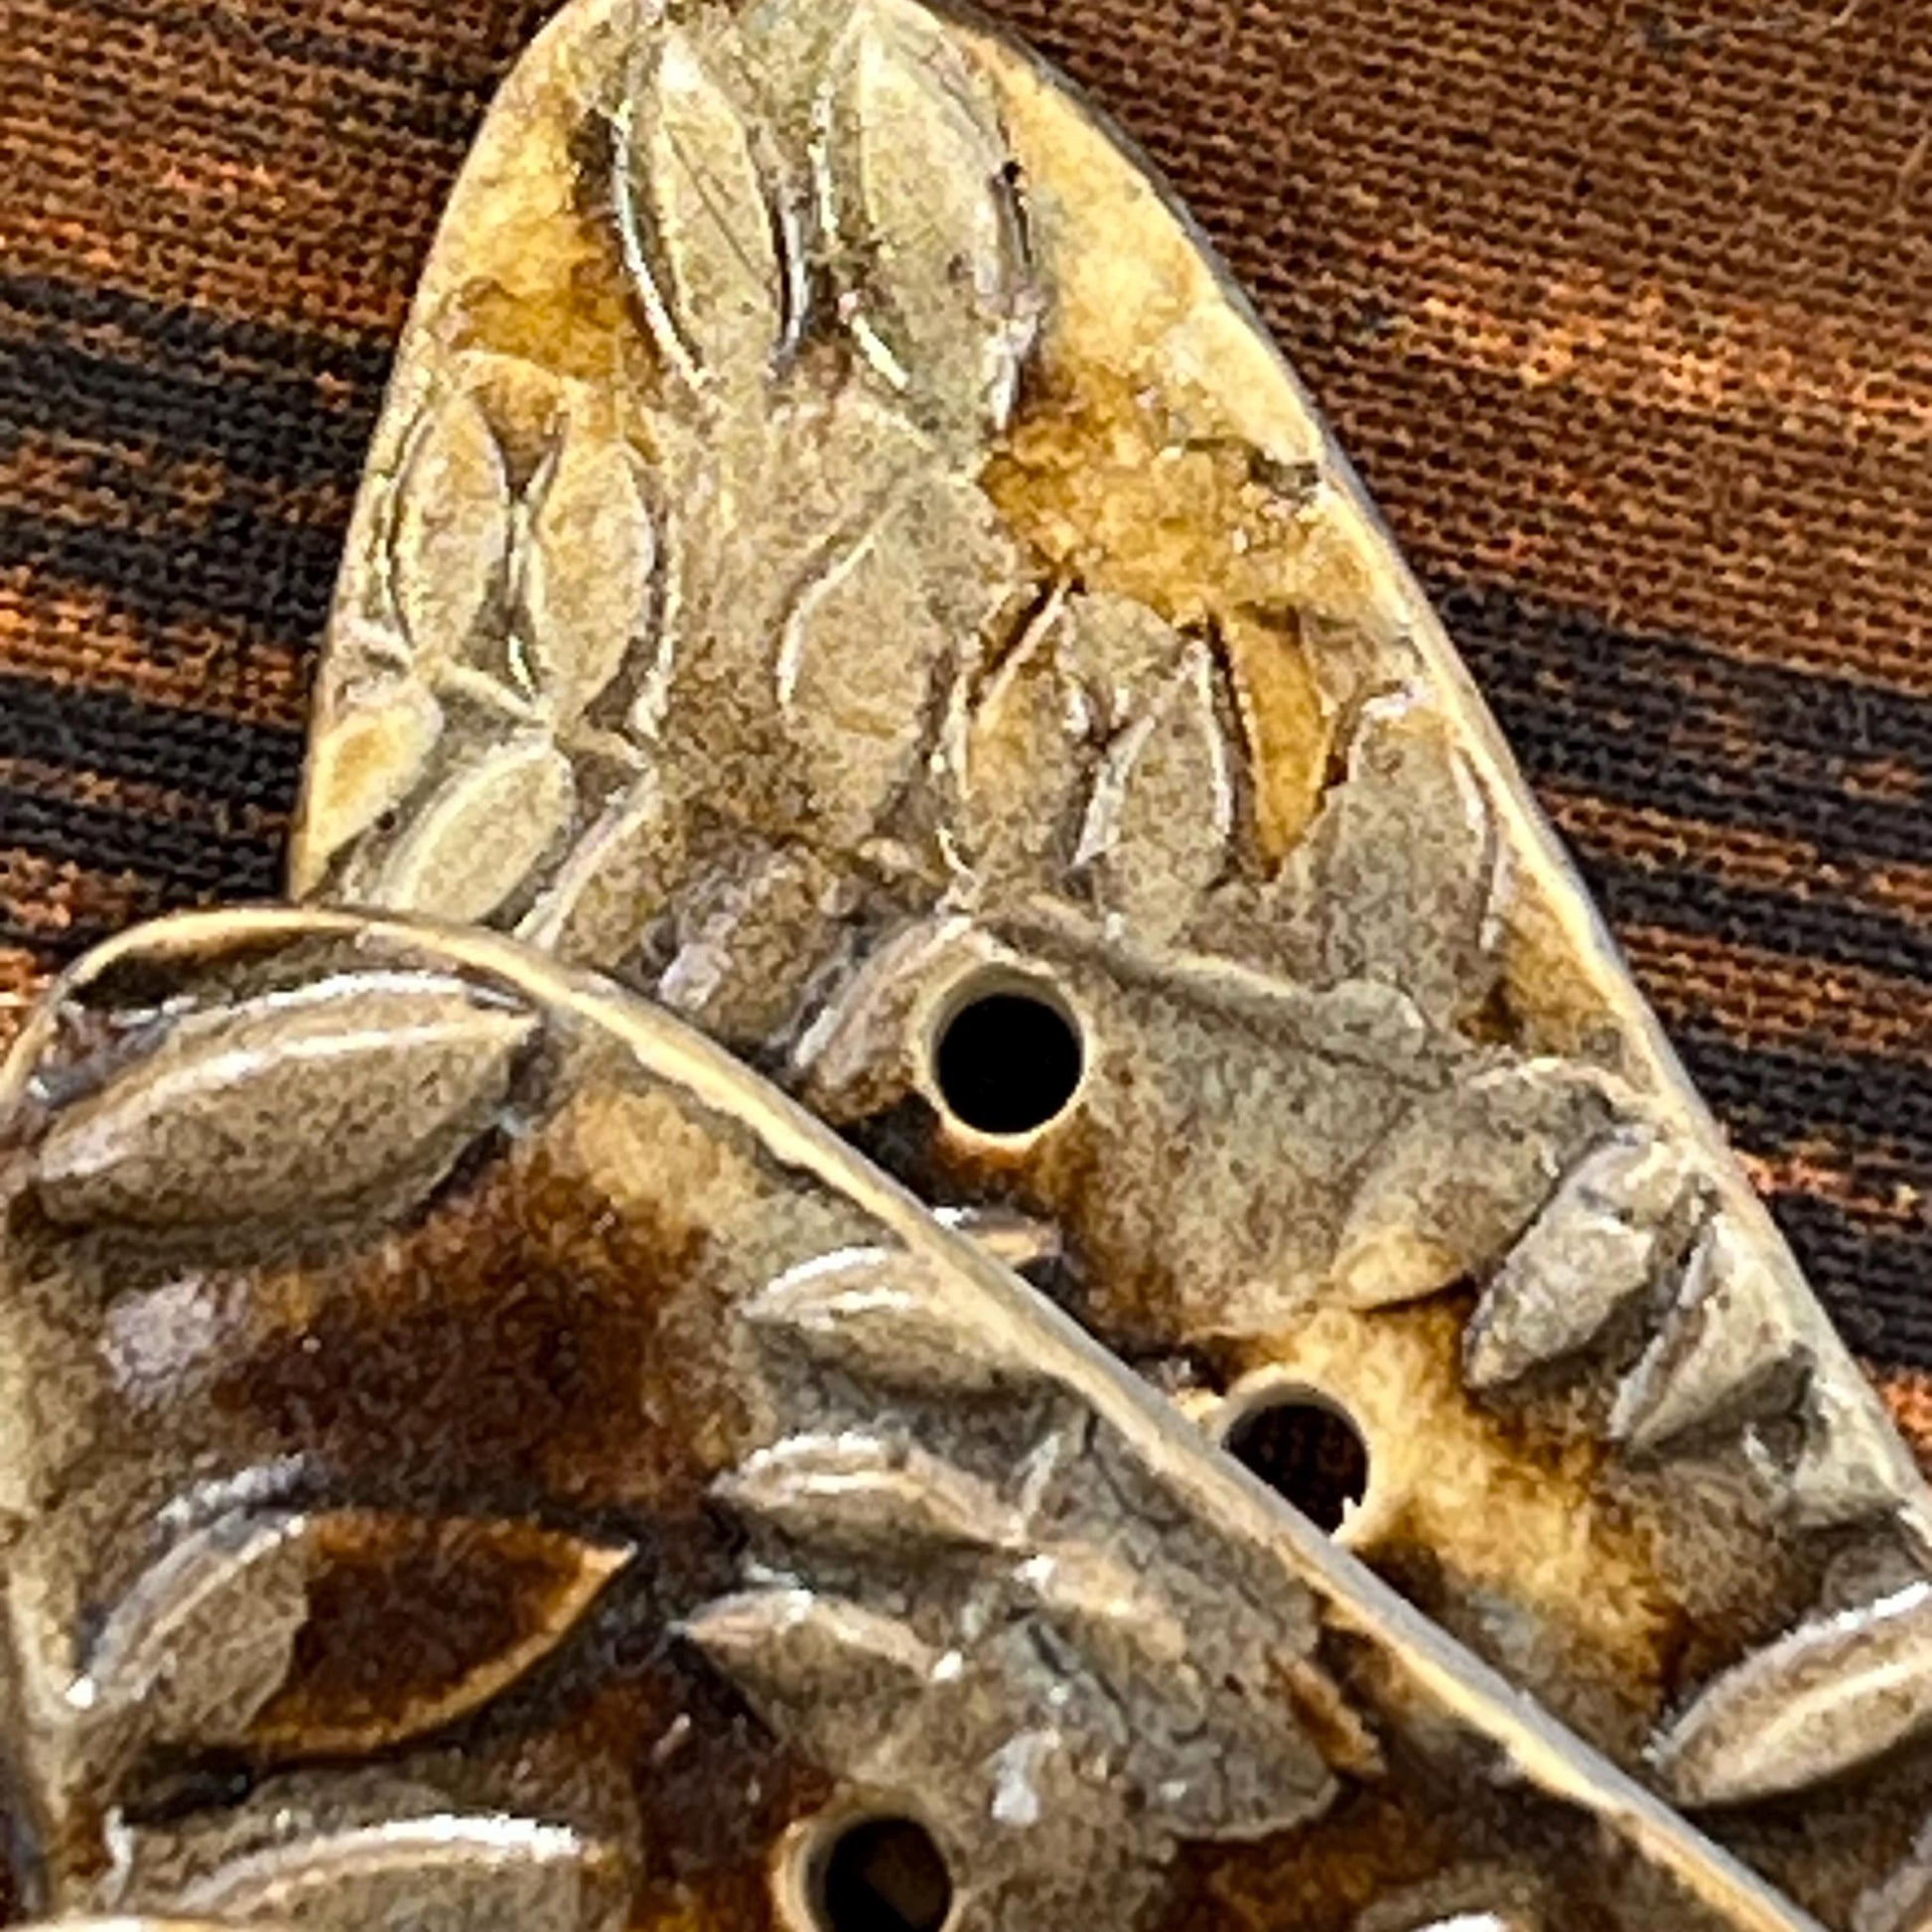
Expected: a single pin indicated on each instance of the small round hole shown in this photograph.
(1306, 1451)
(880, 1874)
(1007, 1059)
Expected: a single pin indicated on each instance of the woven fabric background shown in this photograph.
(1620, 309)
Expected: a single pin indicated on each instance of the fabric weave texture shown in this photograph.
(1619, 309)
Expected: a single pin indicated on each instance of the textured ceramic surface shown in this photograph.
(840, 565)
(481, 1458)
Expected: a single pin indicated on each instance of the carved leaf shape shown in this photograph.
(466, 1606)
(1012, 1239)
(1462, 1176)
(1120, 650)
(587, 574)
(452, 1873)
(1589, 1251)
(1253, 1771)
(917, 187)
(1401, 858)
(1733, 1328)
(602, 898)
(1210, 1756)
(831, 1675)
(1024, 760)
(452, 536)
(856, 667)
(712, 223)
(1161, 813)
(855, 1493)
(1832, 1695)
(479, 840)
(205, 1638)
(1125, 1627)
(1853, 1464)
(257, 1629)
(884, 1315)
(753, 938)
(1215, 1744)
(366, 757)
(287, 1104)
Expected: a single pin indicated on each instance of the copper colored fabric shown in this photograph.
(1620, 309)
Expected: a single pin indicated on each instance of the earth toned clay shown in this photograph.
(600, 1488)
(840, 561)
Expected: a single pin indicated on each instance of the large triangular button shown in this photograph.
(840, 558)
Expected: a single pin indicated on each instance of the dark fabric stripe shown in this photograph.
(1638, 718)
(184, 859)
(265, 426)
(184, 336)
(78, 932)
(1872, 1277)
(278, 579)
(1804, 921)
(238, 760)
(1776, 1097)
(28, 938)
(272, 577)
(119, 736)
(1654, 720)
(1772, 1096)
(79, 935)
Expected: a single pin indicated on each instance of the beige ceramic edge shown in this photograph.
(1285, 419)
(1191, 330)
(1420, 1680)
(1252, 383)
(521, 270)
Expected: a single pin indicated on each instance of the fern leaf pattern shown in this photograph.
(827, 643)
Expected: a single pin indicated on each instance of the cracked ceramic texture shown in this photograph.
(961, 587)
(516, 1545)
(835, 540)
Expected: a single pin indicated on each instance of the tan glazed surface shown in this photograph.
(529, 1417)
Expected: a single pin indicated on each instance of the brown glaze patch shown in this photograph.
(1113, 491)
(721, 1796)
(414, 1622)
(538, 277)
(1316, 1881)
(1551, 998)
(506, 1345)
(1287, 723)
(1464, 1508)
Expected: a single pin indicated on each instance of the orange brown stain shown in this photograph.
(1110, 490)
(1907, 1393)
